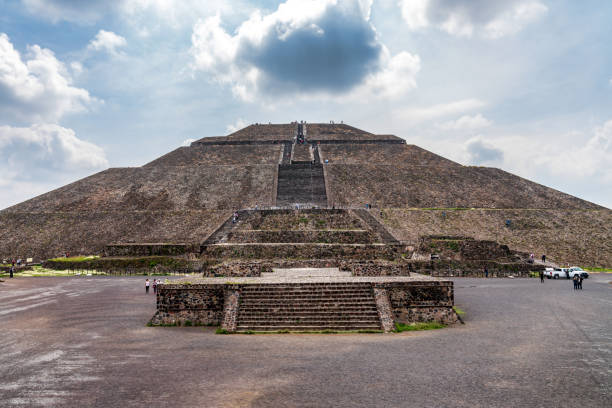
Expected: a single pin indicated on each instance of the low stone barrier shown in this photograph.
(257, 267)
(421, 301)
(303, 251)
(375, 268)
(189, 305)
(405, 302)
(441, 268)
(149, 249)
(321, 236)
(136, 265)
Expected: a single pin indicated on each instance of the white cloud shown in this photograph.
(549, 158)
(40, 151)
(187, 142)
(480, 152)
(593, 159)
(239, 124)
(38, 88)
(107, 41)
(489, 18)
(86, 12)
(466, 122)
(421, 114)
(396, 77)
(304, 48)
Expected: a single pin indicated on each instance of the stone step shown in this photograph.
(314, 292)
(312, 309)
(276, 320)
(294, 322)
(306, 299)
(304, 286)
(352, 327)
(298, 293)
(322, 313)
(327, 304)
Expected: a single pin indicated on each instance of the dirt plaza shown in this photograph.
(83, 341)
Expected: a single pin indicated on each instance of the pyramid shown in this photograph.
(188, 194)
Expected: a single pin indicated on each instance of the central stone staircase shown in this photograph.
(339, 306)
(301, 183)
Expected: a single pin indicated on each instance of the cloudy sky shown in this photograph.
(524, 85)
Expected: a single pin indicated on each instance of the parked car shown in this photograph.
(577, 270)
(556, 273)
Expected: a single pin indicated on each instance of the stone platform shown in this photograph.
(305, 299)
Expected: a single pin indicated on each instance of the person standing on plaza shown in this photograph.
(580, 282)
(154, 285)
(541, 276)
(147, 286)
(575, 279)
(486, 272)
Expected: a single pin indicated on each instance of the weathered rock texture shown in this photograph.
(187, 194)
(305, 306)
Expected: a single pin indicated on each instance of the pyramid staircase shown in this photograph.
(341, 306)
(302, 183)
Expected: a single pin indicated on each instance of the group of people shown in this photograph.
(148, 284)
(577, 281)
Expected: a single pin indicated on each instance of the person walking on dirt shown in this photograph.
(147, 286)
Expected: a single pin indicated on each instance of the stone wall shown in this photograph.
(444, 268)
(300, 251)
(257, 267)
(130, 265)
(423, 301)
(203, 304)
(375, 268)
(580, 237)
(198, 304)
(300, 220)
(467, 249)
(150, 249)
(321, 236)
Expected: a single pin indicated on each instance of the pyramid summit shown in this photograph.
(187, 194)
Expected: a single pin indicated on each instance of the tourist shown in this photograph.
(486, 272)
(575, 279)
(580, 282)
(543, 258)
(542, 276)
(147, 286)
(11, 271)
(154, 286)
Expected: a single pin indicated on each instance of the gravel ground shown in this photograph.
(82, 342)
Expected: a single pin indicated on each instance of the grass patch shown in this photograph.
(401, 327)
(452, 245)
(458, 310)
(75, 258)
(598, 269)
(37, 271)
(221, 331)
